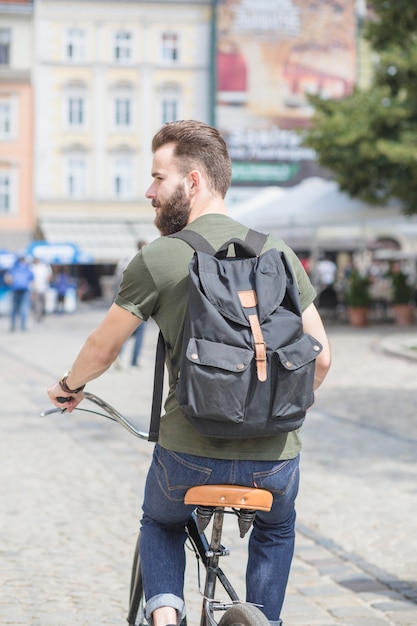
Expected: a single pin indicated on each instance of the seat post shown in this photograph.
(214, 553)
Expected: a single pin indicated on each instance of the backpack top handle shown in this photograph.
(252, 246)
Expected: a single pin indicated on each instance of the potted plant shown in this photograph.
(358, 299)
(402, 298)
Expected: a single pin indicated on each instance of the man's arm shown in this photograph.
(98, 353)
(313, 325)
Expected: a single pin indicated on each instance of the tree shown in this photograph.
(369, 139)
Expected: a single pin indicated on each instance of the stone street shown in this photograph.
(72, 486)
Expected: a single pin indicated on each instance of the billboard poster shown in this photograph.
(270, 54)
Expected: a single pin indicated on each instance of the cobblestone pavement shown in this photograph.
(72, 486)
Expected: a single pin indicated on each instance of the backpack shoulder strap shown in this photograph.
(256, 240)
(158, 386)
(196, 241)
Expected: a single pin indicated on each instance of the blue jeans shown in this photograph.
(137, 345)
(20, 307)
(271, 543)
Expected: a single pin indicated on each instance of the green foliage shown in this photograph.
(369, 139)
(402, 291)
(357, 292)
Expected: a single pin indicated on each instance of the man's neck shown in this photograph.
(214, 205)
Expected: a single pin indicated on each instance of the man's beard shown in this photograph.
(173, 213)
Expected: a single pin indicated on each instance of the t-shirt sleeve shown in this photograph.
(137, 296)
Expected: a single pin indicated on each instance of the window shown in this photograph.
(5, 120)
(76, 111)
(170, 50)
(169, 103)
(123, 46)
(76, 177)
(5, 39)
(5, 194)
(123, 112)
(123, 177)
(9, 104)
(169, 109)
(75, 44)
(75, 106)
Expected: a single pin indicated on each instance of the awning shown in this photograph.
(7, 259)
(57, 253)
(15, 240)
(98, 241)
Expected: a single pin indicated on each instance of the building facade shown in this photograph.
(17, 217)
(108, 75)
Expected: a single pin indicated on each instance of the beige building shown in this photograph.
(108, 75)
(17, 220)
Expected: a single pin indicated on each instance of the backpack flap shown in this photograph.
(222, 280)
(229, 358)
(299, 353)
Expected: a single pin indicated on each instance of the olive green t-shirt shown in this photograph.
(155, 284)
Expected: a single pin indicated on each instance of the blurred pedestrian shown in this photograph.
(42, 273)
(137, 335)
(61, 283)
(137, 345)
(326, 272)
(19, 279)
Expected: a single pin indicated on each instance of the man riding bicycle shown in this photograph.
(191, 174)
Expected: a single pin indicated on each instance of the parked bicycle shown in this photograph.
(212, 503)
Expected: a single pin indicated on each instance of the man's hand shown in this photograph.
(64, 400)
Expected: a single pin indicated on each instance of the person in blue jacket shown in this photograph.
(19, 279)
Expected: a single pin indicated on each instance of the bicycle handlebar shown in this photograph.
(111, 413)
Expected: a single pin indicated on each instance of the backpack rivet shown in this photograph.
(194, 356)
(316, 348)
(288, 364)
(240, 366)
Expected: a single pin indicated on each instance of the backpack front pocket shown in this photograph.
(206, 371)
(293, 369)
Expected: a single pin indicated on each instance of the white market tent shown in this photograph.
(316, 215)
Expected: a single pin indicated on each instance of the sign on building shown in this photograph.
(270, 55)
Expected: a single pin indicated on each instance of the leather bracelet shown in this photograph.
(64, 386)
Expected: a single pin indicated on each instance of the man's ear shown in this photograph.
(194, 181)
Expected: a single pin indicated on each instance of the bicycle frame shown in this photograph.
(208, 552)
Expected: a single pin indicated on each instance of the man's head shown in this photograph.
(198, 146)
(188, 156)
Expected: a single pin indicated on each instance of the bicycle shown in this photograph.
(212, 503)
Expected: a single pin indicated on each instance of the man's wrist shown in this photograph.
(64, 386)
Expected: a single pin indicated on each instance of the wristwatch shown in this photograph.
(64, 386)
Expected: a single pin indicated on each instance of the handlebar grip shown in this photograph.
(63, 400)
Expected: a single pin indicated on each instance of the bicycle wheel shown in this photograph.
(136, 615)
(245, 614)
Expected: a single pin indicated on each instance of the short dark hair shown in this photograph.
(198, 146)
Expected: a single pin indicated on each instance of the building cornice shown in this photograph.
(16, 9)
(14, 76)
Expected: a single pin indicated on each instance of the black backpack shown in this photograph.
(247, 367)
